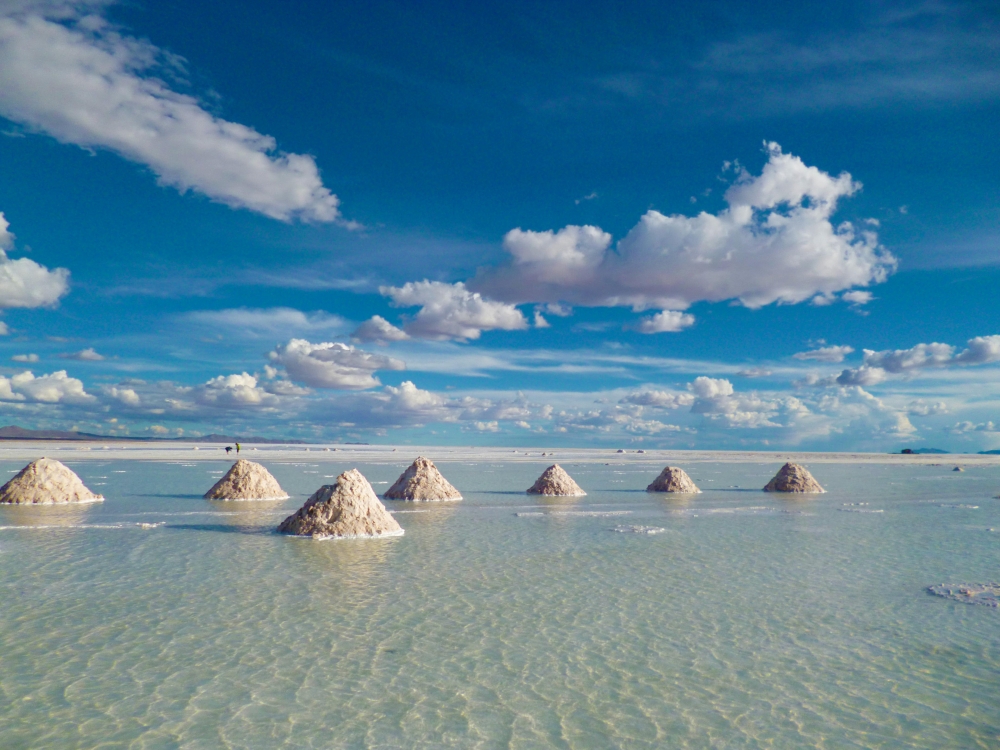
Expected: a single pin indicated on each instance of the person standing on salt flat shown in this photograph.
(555, 482)
(347, 509)
(673, 479)
(46, 482)
(793, 478)
(422, 481)
(247, 480)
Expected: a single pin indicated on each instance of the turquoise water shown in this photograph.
(752, 621)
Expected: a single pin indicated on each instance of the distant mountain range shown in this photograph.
(12, 432)
(990, 453)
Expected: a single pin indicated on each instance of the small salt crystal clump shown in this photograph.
(673, 479)
(555, 482)
(347, 509)
(793, 478)
(422, 481)
(46, 482)
(246, 480)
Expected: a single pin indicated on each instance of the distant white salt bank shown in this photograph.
(46, 482)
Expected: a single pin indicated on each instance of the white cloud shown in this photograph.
(826, 353)
(379, 331)
(967, 426)
(234, 391)
(23, 282)
(265, 322)
(4, 330)
(658, 399)
(923, 409)
(83, 82)
(493, 426)
(540, 321)
(774, 243)
(332, 365)
(980, 351)
(127, 396)
(858, 296)
(917, 357)
(84, 355)
(754, 372)
(24, 358)
(667, 321)
(450, 311)
(56, 387)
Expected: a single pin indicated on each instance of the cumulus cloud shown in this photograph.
(826, 353)
(4, 330)
(450, 311)
(921, 408)
(668, 321)
(23, 282)
(774, 243)
(53, 388)
(378, 330)
(67, 72)
(332, 365)
(914, 358)
(24, 358)
(967, 426)
(980, 350)
(126, 396)
(234, 391)
(84, 355)
(658, 399)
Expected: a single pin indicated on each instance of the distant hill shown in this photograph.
(990, 453)
(12, 432)
(924, 450)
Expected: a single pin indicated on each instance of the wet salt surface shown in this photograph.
(985, 594)
(779, 622)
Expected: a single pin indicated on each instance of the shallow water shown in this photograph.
(752, 620)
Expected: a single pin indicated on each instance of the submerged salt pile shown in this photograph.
(555, 481)
(986, 594)
(347, 509)
(246, 480)
(422, 481)
(793, 478)
(46, 482)
(673, 479)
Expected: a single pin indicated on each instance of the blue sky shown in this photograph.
(691, 225)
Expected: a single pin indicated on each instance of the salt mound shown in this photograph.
(555, 481)
(986, 594)
(673, 479)
(246, 480)
(347, 509)
(422, 481)
(46, 482)
(793, 478)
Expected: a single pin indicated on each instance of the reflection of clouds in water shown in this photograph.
(258, 513)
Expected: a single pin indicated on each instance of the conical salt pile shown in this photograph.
(422, 481)
(247, 480)
(793, 478)
(347, 509)
(555, 481)
(46, 482)
(672, 479)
